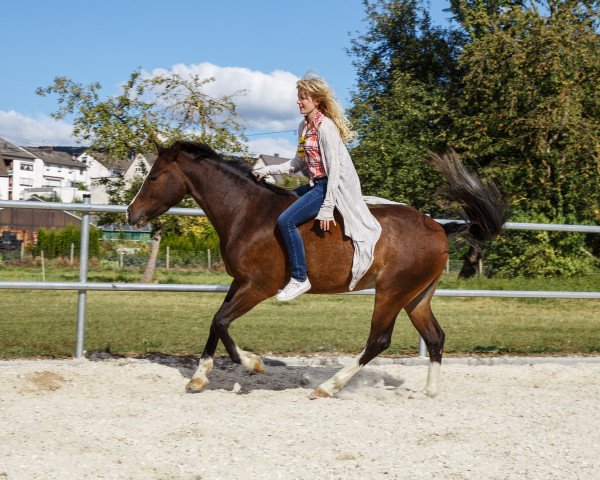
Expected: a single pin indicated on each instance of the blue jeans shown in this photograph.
(305, 208)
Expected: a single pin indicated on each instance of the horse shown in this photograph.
(409, 257)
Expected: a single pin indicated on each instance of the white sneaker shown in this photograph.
(293, 289)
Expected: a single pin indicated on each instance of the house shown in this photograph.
(4, 180)
(19, 170)
(62, 177)
(102, 167)
(267, 160)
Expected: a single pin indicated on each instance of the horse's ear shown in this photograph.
(175, 150)
(159, 146)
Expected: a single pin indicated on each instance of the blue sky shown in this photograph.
(261, 46)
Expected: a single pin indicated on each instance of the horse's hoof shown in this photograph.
(253, 363)
(318, 393)
(196, 385)
(422, 395)
(258, 366)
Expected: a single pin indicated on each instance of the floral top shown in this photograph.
(309, 151)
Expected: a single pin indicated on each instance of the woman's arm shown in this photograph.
(292, 166)
(330, 142)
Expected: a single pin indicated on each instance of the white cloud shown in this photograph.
(270, 100)
(271, 146)
(41, 130)
(268, 106)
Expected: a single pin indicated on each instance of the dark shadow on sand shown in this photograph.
(278, 376)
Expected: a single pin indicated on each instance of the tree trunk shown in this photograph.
(470, 263)
(151, 265)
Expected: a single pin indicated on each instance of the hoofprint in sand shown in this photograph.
(132, 419)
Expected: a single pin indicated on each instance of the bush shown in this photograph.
(541, 253)
(55, 243)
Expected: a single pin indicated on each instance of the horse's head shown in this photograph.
(164, 187)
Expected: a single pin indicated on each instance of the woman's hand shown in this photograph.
(325, 224)
(261, 172)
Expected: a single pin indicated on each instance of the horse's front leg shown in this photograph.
(239, 300)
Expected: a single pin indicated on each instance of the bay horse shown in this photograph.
(409, 257)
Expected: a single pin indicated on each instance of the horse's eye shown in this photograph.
(153, 178)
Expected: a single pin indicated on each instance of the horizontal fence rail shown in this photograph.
(83, 285)
(196, 287)
(197, 212)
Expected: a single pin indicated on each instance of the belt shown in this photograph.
(316, 179)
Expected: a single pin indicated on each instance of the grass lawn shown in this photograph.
(42, 323)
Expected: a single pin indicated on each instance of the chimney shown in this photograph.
(275, 154)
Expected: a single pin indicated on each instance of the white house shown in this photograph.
(20, 170)
(61, 176)
(128, 168)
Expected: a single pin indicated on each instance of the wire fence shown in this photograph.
(83, 285)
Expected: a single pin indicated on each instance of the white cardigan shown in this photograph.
(343, 193)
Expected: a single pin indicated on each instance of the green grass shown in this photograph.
(42, 323)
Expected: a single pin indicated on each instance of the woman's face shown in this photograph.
(305, 103)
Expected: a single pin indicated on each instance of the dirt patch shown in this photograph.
(39, 382)
(132, 419)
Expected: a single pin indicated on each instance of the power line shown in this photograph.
(24, 140)
(270, 133)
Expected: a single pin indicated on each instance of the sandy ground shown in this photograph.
(131, 419)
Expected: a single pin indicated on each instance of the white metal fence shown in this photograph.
(83, 285)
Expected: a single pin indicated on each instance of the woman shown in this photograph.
(333, 183)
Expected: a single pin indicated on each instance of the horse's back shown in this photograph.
(411, 245)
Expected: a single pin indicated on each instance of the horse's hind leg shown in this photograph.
(421, 316)
(387, 307)
(239, 300)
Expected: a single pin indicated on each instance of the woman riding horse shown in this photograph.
(333, 183)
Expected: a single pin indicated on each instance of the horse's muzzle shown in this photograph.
(135, 220)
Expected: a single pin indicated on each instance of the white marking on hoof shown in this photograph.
(251, 361)
(318, 393)
(341, 378)
(432, 388)
(199, 380)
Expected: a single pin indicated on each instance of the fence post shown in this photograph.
(43, 267)
(83, 273)
(448, 264)
(22, 250)
(121, 264)
(209, 259)
(168, 257)
(480, 267)
(72, 254)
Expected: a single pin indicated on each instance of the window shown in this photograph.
(52, 182)
(26, 182)
(28, 167)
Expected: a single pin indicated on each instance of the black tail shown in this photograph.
(482, 207)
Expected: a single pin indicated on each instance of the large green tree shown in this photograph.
(514, 88)
(530, 114)
(530, 107)
(403, 99)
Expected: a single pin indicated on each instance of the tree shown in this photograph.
(168, 107)
(530, 114)
(406, 89)
(514, 89)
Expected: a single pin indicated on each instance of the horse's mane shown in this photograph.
(236, 165)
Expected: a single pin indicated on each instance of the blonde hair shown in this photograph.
(321, 93)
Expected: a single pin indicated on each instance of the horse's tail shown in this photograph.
(482, 207)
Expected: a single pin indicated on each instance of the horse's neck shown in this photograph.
(221, 194)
